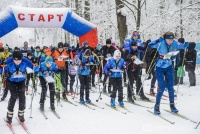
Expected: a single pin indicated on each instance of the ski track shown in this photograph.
(82, 120)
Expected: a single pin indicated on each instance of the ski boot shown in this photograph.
(21, 115)
(52, 106)
(3, 98)
(130, 99)
(152, 91)
(71, 91)
(82, 101)
(173, 108)
(112, 102)
(157, 109)
(121, 103)
(9, 117)
(42, 106)
(64, 96)
(143, 97)
(88, 100)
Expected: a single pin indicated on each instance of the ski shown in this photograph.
(154, 96)
(114, 108)
(69, 102)
(43, 113)
(123, 107)
(180, 115)
(55, 113)
(95, 105)
(10, 126)
(138, 104)
(85, 105)
(162, 117)
(23, 125)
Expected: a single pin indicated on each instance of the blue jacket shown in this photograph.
(42, 59)
(131, 51)
(11, 71)
(25, 60)
(111, 64)
(129, 41)
(163, 48)
(43, 70)
(84, 69)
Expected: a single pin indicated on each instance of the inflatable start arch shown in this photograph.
(13, 17)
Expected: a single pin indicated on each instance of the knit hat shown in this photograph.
(135, 33)
(181, 40)
(108, 41)
(133, 43)
(17, 55)
(29, 54)
(60, 45)
(48, 59)
(116, 53)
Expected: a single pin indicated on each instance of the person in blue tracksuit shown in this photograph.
(116, 62)
(16, 75)
(84, 75)
(164, 70)
(46, 68)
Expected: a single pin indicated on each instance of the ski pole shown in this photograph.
(197, 125)
(31, 105)
(102, 90)
(150, 68)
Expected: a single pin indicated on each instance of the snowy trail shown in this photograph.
(82, 120)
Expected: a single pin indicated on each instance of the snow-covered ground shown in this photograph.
(82, 120)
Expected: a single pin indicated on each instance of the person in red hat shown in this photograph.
(1, 47)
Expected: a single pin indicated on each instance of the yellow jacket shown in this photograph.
(4, 55)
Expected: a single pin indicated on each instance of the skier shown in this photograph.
(73, 71)
(29, 76)
(106, 51)
(16, 71)
(25, 49)
(117, 63)
(164, 69)
(60, 56)
(1, 47)
(67, 62)
(134, 72)
(3, 57)
(84, 75)
(190, 63)
(46, 68)
(37, 54)
(93, 67)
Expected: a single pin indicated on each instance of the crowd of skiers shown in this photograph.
(117, 65)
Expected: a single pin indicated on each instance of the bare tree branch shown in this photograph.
(129, 4)
(143, 3)
(46, 2)
(130, 10)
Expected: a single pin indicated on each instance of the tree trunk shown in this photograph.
(87, 10)
(138, 15)
(181, 19)
(121, 23)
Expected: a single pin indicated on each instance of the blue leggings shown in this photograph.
(165, 77)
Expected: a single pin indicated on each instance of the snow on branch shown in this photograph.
(57, 2)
